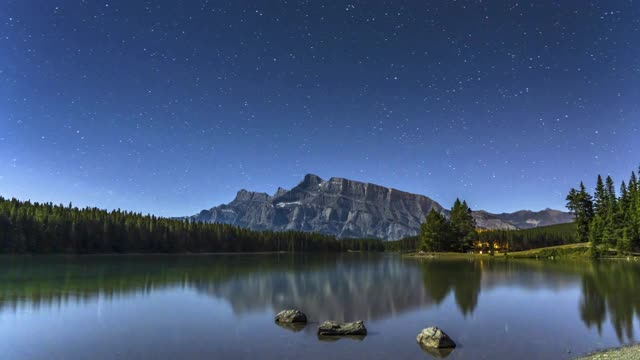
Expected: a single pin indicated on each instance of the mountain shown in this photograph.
(351, 209)
(487, 220)
(525, 219)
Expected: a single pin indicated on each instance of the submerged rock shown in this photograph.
(433, 337)
(332, 328)
(291, 316)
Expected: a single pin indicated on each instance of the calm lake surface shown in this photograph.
(222, 306)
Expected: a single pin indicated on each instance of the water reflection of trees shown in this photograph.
(463, 278)
(611, 288)
(46, 280)
(330, 287)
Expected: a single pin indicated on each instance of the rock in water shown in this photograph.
(291, 316)
(432, 337)
(332, 328)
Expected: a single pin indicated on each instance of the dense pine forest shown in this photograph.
(610, 221)
(27, 227)
(411, 243)
(527, 239)
(502, 240)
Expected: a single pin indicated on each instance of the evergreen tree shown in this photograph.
(633, 211)
(612, 231)
(435, 232)
(600, 206)
(462, 226)
(600, 198)
(581, 204)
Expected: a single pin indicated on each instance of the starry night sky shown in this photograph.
(170, 107)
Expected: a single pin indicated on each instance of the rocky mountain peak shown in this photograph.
(245, 195)
(280, 192)
(349, 208)
(310, 181)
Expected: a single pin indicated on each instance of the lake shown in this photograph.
(222, 306)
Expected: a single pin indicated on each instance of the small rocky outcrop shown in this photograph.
(291, 317)
(434, 338)
(332, 328)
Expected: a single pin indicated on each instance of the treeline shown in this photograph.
(520, 240)
(457, 233)
(410, 243)
(27, 227)
(608, 220)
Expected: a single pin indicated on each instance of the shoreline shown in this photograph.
(571, 251)
(630, 352)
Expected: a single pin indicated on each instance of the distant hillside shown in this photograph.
(352, 209)
(517, 240)
(525, 219)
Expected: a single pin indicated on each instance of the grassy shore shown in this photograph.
(580, 250)
(572, 251)
(627, 352)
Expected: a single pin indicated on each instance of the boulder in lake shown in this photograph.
(291, 316)
(332, 328)
(433, 337)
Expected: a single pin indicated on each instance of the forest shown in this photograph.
(503, 240)
(456, 233)
(36, 228)
(526, 239)
(610, 221)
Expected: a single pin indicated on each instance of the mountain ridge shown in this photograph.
(348, 209)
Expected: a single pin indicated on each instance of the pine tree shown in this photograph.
(612, 230)
(435, 232)
(624, 243)
(601, 215)
(581, 204)
(633, 210)
(469, 228)
(600, 198)
(462, 226)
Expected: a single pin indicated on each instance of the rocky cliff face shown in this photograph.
(337, 206)
(344, 208)
(486, 220)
